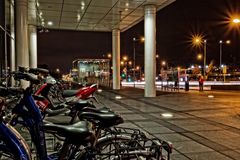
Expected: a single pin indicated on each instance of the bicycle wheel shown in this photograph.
(125, 147)
(104, 146)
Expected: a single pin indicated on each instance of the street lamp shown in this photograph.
(205, 57)
(199, 56)
(109, 55)
(236, 20)
(138, 68)
(220, 50)
(197, 40)
(134, 56)
(164, 63)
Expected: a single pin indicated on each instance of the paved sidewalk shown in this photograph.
(204, 125)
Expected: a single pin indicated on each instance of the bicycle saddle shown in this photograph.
(77, 133)
(78, 105)
(103, 120)
(97, 110)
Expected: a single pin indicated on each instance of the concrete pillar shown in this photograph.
(32, 31)
(22, 33)
(22, 52)
(33, 46)
(12, 41)
(116, 58)
(150, 50)
(2, 36)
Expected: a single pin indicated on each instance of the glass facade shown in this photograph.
(92, 71)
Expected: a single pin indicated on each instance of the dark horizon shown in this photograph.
(174, 27)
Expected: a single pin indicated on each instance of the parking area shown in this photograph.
(201, 125)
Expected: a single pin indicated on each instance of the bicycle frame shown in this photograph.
(32, 120)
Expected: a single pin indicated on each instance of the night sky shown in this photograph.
(175, 25)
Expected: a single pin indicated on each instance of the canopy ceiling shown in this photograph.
(90, 15)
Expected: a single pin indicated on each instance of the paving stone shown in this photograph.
(148, 124)
(125, 111)
(133, 117)
(191, 147)
(218, 134)
(172, 137)
(234, 154)
(210, 126)
(128, 125)
(186, 122)
(206, 127)
(208, 156)
(155, 130)
(179, 157)
(230, 143)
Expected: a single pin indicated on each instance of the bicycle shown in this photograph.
(73, 148)
(14, 146)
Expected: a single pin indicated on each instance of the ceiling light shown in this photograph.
(37, 4)
(126, 9)
(127, 4)
(83, 3)
(40, 13)
(78, 17)
(50, 23)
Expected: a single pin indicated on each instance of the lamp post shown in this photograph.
(220, 53)
(134, 57)
(205, 57)
(221, 50)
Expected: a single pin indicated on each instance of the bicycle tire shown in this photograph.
(7, 152)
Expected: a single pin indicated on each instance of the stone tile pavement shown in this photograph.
(201, 125)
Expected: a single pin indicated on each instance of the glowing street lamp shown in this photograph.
(164, 63)
(125, 58)
(205, 57)
(109, 55)
(199, 56)
(228, 41)
(197, 40)
(236, 20)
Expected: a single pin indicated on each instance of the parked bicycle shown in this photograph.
(79, 140)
